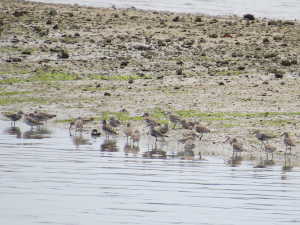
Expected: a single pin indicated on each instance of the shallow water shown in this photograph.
(50, 177)
(278, 9)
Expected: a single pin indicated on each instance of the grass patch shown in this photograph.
(64, 121)
(7, 101)
(118, 115)
(105, 77)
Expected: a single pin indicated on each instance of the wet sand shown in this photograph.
(232, 74)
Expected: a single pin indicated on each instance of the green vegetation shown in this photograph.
(64, 121)
(6, 101)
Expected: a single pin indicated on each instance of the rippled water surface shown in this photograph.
(50, 177)
(279, 9)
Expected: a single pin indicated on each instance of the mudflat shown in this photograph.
(233, 75)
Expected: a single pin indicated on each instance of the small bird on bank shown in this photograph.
(149, 120)
(107, 129)
(188, 132)
(184, 139)
(31, 121)
(155, 133)
(189, 144)
(39, 117)
(164, 129)
(201, 129)
(44, 115)
(269, 149)
(237, 146)
(287, 141)
(135, 137)
(174, 118)
(84, 120)
(230, 140)
(114, 123)
(128, 131)
(186, 125)
(13, 116)
(262, 137)
(78, 124)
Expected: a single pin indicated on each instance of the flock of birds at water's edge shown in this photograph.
(189, 136)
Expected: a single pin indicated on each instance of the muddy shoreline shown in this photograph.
(232, 74)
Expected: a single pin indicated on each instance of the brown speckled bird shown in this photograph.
(13, 116)
(201, 129)
(107, 129)
(287, 141)
(262, 137)
(237, 146)
(149, 119)
(174, 118)
(155, 133)
(269, 149)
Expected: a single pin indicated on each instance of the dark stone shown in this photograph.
(124, 63)
(198, 19)
(176, 19)
(286, 63)
(52, 12)
(131, 80)
(107, 94)
(63, 54)
(179, 72)
(49, 22)
(16, 59)
(249, 17)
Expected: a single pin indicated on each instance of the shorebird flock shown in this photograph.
(189, 135)
(32, 119)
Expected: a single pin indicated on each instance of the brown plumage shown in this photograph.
(45, 115)
(230, 140)
(201, 129)
(13, 116)
(174, 118)
(135, 137)
(189, 144)
(164, 129)
(287, 141)
(78, 124)
(192, 137)
(149, 119)
(237, 146)
(269, 149)
(107, 129)
(31, 121)
(114, 123)
(188, 132)
(155, 133)
(262, 137)
(186, 125)
(128, 131)
(84, 120)
(39, 117)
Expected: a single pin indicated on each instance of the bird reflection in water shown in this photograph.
(109, 146)
(265, 163)
(79, 140)
(14, 131)
(287, 164)
(128, 148)
(186, 154)
(235, 161)
(155, 153)
(40, 133)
